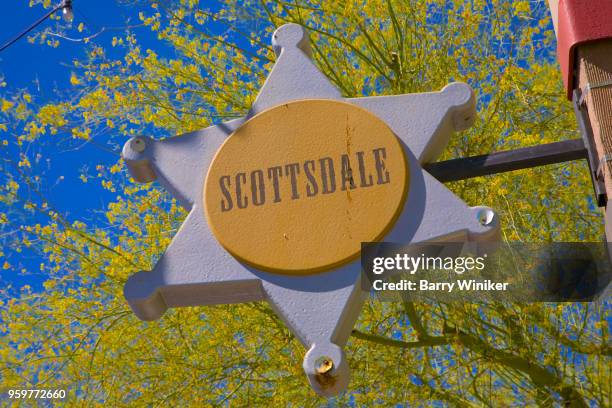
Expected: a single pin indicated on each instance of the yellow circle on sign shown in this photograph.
(298, 187)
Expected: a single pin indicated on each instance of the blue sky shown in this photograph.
(30, 65)
(45, 72)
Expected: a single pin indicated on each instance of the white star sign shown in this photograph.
(280, 201)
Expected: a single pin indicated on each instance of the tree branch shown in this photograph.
(425, 342)
(540, 376)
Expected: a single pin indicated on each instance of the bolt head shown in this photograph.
(138, 145)
(324, 365)
(485, 216)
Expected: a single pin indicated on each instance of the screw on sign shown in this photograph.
(280, 201)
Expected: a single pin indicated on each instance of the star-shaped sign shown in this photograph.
(279, 201)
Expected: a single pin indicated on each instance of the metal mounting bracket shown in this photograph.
(584, 124)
